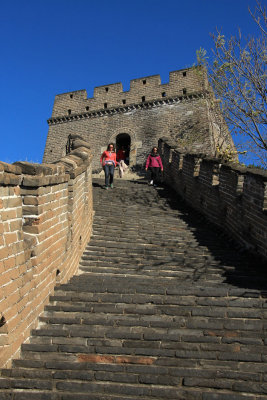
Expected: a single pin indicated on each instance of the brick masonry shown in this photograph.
(43, 234)
(183, 109)
(232, 197)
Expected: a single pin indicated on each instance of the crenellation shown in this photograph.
(147, 84)
(142, 89)
(107, 92)
(72, 101)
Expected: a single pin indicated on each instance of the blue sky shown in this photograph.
(49, 47)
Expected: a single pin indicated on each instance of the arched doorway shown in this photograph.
(123, 141)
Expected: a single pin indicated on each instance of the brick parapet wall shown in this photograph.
(232, 197)
(45, 224)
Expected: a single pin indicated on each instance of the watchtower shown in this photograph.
(184, 110)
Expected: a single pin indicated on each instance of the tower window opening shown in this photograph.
(69, 112)
(106, 89)
(184, 73)
(87, 108)
(71, 96)
(184, 91)
(2, 321)
(143, 98)
(123, 101)
(163, 94)
(105, 105)
(144, 81)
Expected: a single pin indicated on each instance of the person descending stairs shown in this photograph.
(163, 307)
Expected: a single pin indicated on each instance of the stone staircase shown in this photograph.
(163, 307)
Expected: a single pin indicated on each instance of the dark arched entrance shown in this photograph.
(123, 141)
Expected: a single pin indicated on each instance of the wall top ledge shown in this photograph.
(13, 169)
(257, 172)
(246, 170)
(38, 169)
(233, 167)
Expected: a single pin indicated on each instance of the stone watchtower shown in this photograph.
(183, 110)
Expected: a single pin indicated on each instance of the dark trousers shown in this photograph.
(155, 173)
(109, 172)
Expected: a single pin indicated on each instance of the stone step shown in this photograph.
(139, 269)
(165, 271)
(147, 284)
(121, 373)
(108, 390)
(140, 265)
(153, 351)
(64, 370)
(129, 380)
(236, 299)
(158, 304)
(159, 327)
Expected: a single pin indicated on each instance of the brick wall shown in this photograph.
(183, 109)
(232, 197)
(43, 209)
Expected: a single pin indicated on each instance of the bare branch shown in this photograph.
(237, 74)
(260, 12)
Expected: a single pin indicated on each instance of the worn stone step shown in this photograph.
(242, 333)
(158, 304)
(147, 285)
(131, 373)
(139, 269)
(134, 262)
(157, 390)
(63, 370)
(152, 345)
(185, 296)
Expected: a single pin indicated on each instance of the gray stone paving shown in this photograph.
(163, 307)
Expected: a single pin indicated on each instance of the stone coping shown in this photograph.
(34, 175)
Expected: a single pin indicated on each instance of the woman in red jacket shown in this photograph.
(154, 163)
(109, 162)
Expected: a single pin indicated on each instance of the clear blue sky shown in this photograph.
(55, 46)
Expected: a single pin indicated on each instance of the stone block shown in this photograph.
(34, 169)
(14, 169)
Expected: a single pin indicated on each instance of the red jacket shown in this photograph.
(108, 156)
(154, 162)
(121, 155)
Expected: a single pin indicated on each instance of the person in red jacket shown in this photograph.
(109, 162)
(121, 154)
(154, 164)
(121, 157)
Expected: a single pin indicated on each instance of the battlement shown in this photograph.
(181, 82)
